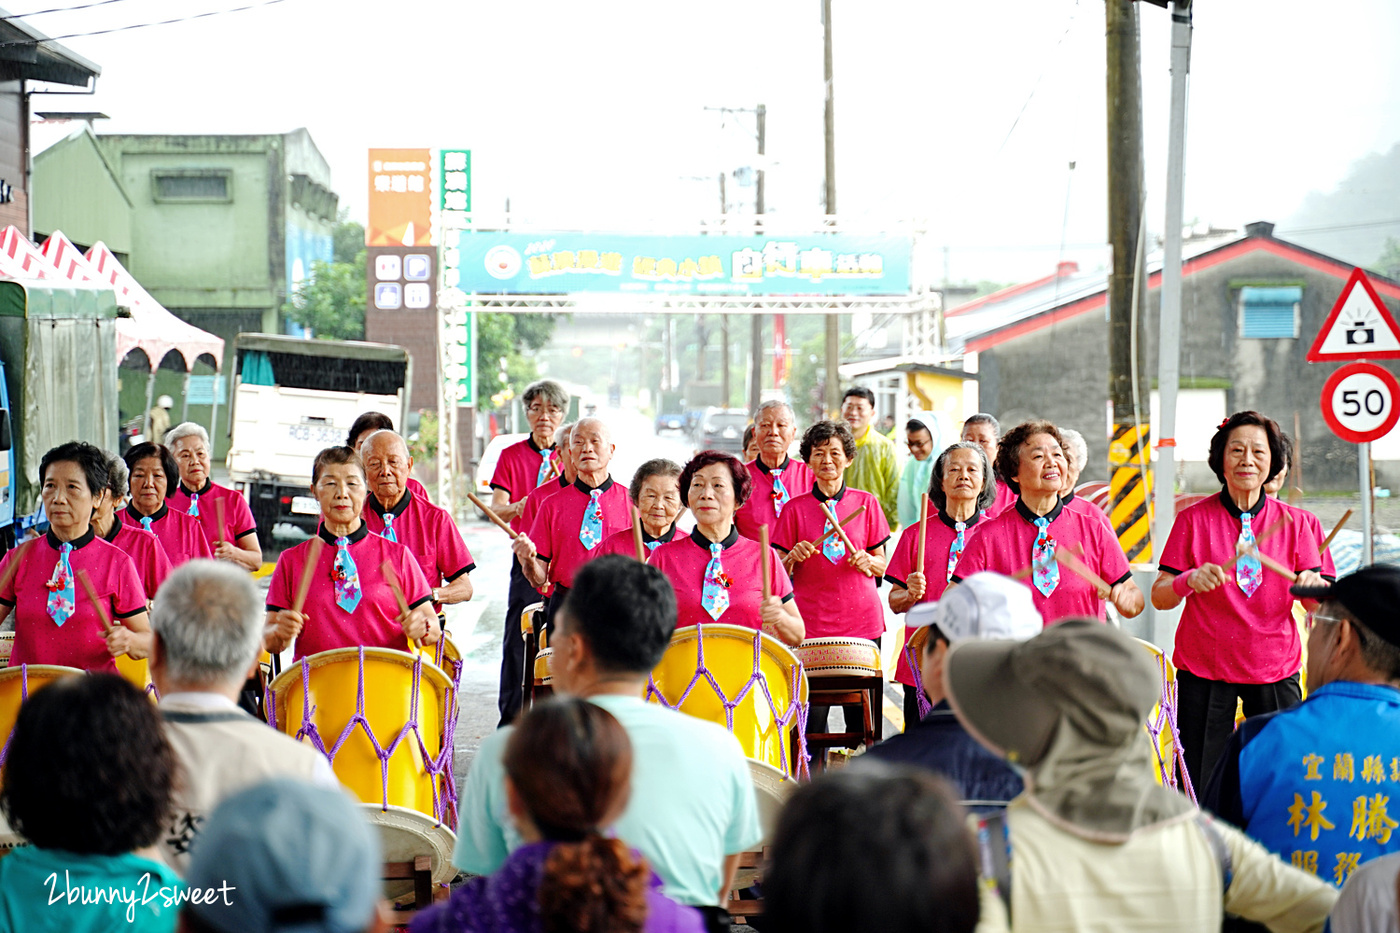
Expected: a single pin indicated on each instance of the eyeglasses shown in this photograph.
(1314, 617)
(542, 409)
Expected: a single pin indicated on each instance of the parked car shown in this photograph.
(722, 429)
(671, 422)
(487, 466)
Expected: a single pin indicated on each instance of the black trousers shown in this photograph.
(1206, 716)
(520, 595)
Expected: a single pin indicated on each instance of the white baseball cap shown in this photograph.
(165, 401)
(985, 605)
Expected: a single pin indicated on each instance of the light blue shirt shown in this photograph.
(45, 890)
(692, 801)
(913, 483)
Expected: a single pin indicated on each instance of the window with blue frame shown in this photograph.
(1270, 312)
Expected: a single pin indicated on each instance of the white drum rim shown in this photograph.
(438, 838)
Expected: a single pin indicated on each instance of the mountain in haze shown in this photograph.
(1353, 221)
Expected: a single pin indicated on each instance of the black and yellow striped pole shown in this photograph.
(1130, 490)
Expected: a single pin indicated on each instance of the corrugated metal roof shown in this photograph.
(25, 52)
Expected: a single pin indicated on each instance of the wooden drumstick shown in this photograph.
(386, 570)
(831, 514)
(1346, 517)
(1259, 539)
(313, 557)
(637, 535)
(923, 526)
(491, 516)
(97, 606)
(1268, 563)
(767, 572)
(1024, 572)
(1068, 558)
(13, 569)
(844, 522)
(219, 514)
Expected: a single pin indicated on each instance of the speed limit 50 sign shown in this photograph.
(1359, 402)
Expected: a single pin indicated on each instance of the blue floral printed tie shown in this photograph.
(194, 504)
(956, 550)
(653, 545)
(780, 493)
(389, 532)
(590, 533)
(833, 548)
(346, 576)
(146, 524)
(714, 597)
(546, 467)
(61, 594)
(1249, 573)
(1045, 570)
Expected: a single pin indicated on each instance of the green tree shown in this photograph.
(331, 300)
(349, 239)
(1389, 263)
(505, 345)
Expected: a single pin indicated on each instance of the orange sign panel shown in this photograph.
(400, 198)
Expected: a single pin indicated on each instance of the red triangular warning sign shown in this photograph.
(1359, 327)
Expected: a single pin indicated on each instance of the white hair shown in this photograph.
(774, 403)
(1076, 448)
(561, 433)
(364, 445)
(186, 429)
(210, 622)
(602, 429)
(118, 476)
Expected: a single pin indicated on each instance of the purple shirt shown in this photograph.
(238, 518)
(760, 508)
(1005, 543)
(939, 536)
(684, 561)
(518, 472)
(182, 537)
(835, 599)
(1224, 635)
(555, 529)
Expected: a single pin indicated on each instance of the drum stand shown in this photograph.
(532, 646)
(833, 690)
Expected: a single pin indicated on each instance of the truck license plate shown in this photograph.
(305, 505)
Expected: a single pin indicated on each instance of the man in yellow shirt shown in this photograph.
(874, 468)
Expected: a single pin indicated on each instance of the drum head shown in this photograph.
(771, 789)
(406, 834)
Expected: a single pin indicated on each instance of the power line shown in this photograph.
(58, 9)
(163, 22)
(1328, 229)
(1035, 87)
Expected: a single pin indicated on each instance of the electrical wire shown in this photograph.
(1327, 229)
(1036, 86)
(163, 22)
(59, 9)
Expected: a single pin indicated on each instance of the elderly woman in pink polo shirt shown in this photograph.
(1237, 639)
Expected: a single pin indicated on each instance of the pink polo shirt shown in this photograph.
(1004, 546)
(1329, 569)
(684, 561)
(535, 498)
(1006, 497)
(1077, 504)
(374, 623)
(79, 641)
(428, 532)
(518, 472)
(238, 518)
(1224, 635)
(760, 507)
(939, 536)
(622, 542)
(182, 537)
(146, 553)
(555, 529)
(835, 599)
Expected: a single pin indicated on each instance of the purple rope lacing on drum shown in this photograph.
(1165, 721)
(796, 711)
(23, 696)
(925, 707)
(445, 808)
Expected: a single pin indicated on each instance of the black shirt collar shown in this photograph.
(137, 516)
(952, 522)
(355, 537)
(1235, 511)
(817, 493)
(701, 541)
(530, 439)
(111, 536)
(397, 510)
(587, 490)
(208, 485)
(1067, 498)
(665, 537)
(78, 543)
(787, 458)
(1031, 517)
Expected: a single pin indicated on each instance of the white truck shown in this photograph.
(294, 397)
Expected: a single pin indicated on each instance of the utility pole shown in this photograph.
(833, 321)
(723, 318)
(1129, 446)
(756, 323)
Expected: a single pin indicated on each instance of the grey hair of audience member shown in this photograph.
(186, 429)
(1075, 447)
(551, 391)
(210, 622)
(118, 477)
(985, 497)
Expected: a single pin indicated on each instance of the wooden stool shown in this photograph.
(425, 893)
(751, 865)
(845, 690)
(532, 647)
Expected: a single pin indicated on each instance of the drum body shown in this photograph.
(16, 686)
(1161, 722)
(850, 657)
(7, 645)
(380, 716)
(749, 682)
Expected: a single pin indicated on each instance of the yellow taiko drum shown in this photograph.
(1164, 748)
(757, 672)
(17, 684)
(544, 667)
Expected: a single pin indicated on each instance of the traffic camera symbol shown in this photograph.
(1360, 335)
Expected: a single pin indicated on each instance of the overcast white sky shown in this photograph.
(593, 113)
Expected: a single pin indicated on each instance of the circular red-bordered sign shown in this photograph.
(1361, 402)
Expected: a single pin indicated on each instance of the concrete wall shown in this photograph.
(1061, 371)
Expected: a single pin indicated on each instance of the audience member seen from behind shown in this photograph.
(692, 808)
(875, 848)
(985, 605)
(1094, 842)
(1303, 781)
(284, 856)
(568, 764)
(1368, 902)
(208, 623)
(88, 783)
